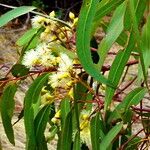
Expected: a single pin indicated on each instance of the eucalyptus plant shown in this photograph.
(75, 94)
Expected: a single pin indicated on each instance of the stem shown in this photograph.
(31, 73)
(76, 109)
(139, 109)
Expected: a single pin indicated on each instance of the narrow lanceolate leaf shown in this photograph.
(40, 123)
(114, 29)
(76, 143)
(27, 37)
(66, 135)
(137, 38)
(117, 70)
(31, 107)
(7, 105)
(133, 98)
(140, 9)
(107, 8)
(122, 39)
(65, 109)
(16, 12)
(103, 8)
(107, 140)
(97, 133)
(145, 48)
(87, 14)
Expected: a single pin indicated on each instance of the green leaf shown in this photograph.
(86, 16)
(138, 40)
(66, 135)
(97, 133)
(117, 69)
(40, 123)
(76, 143)
(19, 70)
(140, 9)
(31, 107)
(133, 98)
(32, 43)
(60, 49)
(114, 29)
(107, 8)
(27, 37)
(79, 93)
(16, 12)
(133, 144)
(65, 109)
(103, 9)
(121, 40)
(145, 49)
(7, 105)
(107, 140)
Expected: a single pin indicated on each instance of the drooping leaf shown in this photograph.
(133, 98)
(27, 37)
(121, 40)
(145, 48)
(16, 12)
(140, 9)
(86, 16)
(7, 105)
(40, 123)
(77, 143)
(137, 36)
(97, 133)
(32, 43)
(107, 140)
(65, 109)
(31, 107)
(114, 29)
(117, 69)
(19, 70)
(104, 8)
(66, 135)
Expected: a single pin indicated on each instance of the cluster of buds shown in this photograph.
(53, 30)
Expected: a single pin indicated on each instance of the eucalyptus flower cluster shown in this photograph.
(61, 81)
